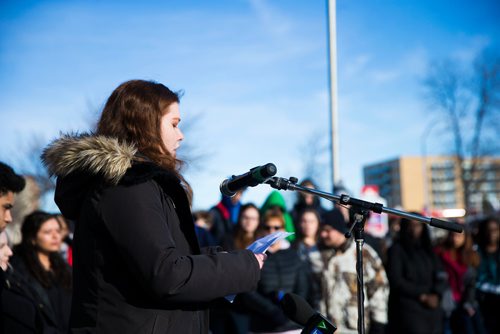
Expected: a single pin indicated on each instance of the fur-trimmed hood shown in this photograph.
(86, 162)
(89, 154)
(82, 163)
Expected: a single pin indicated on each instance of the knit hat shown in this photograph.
(335, 219)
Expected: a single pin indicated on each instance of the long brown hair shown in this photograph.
(318, 218)
(133, 114)
(466, 253)
(241, 240)
(60, 272)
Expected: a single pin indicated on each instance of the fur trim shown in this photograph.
(98, 155)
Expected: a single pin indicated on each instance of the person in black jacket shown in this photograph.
(234, 318)
(10, 184)
(488, 280)
(283, 272)
(307, 246)
(417, 282)
(224, 216)
(137, 264)
(23, 310)
(37, 296)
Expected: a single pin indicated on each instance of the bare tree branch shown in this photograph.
(312, 151)
(27, 159)
(469, 102)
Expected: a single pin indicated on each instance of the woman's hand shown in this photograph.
(430, 300)
(261, 257)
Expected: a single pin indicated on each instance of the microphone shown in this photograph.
(255, 176)
(299, 310)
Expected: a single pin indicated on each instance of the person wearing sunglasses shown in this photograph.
(282, 273)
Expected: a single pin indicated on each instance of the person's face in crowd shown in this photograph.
(394, 225)
(273, 225)
(416, 229)
(458, 239)
(331, 237)
(493, 231)
(5, 251)
(171, 134)
(309, 224)
(6, 204)
(48, 238)
(249, 220)
(309, 198)
(270, 226)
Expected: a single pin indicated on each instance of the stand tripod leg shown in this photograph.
(361, 297)
(358, 226)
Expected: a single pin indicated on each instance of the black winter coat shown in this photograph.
(27, 306)
(412, 273)
(283, 272)
(137, 264)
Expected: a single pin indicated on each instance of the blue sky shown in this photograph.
(253, 72)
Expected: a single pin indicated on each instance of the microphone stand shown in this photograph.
(361, 210)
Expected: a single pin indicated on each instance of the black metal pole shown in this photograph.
(359, 221)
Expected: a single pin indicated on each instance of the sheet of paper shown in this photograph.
(261, 245)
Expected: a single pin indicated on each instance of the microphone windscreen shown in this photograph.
(296, 308)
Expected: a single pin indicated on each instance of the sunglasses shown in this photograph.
(273, 227)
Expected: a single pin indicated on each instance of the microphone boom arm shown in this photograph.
(281, 183)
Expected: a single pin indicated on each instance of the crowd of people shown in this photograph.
(141, 262)
(412, 283)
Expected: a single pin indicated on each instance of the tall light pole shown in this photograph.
(332, 81)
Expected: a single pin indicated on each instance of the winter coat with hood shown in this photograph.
(137, 264)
